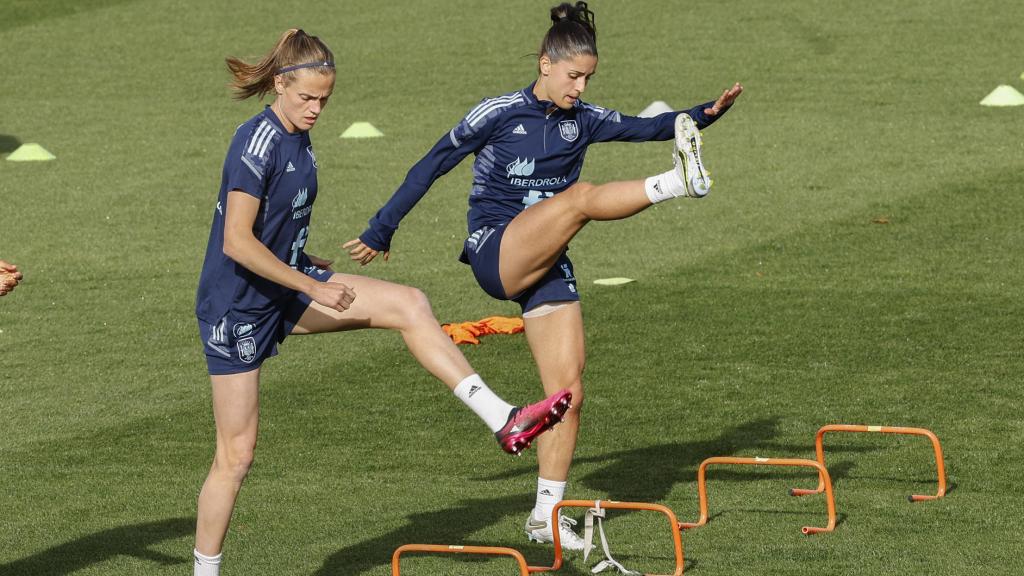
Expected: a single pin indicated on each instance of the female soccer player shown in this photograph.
(9, 277)
(525, 206)
(258, 285)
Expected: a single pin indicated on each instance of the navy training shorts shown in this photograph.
(241, 340)
(481, 251)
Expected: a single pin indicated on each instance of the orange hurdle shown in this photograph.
(435, 548)
(820, 452)
(822, 475)
(612, 505)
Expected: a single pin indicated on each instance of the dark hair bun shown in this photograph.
(578, 13)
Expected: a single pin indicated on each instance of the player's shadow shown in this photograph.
(649, 474)
(8, 144)
(134, 540)
(645, 474)
(451, 525)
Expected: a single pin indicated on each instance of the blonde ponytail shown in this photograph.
(294, 50)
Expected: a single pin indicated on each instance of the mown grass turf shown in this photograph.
(859, 261)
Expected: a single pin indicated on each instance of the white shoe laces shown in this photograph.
(569, 538)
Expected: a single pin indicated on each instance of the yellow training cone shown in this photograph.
(29, 152)
(362, 130)
(1004, 96)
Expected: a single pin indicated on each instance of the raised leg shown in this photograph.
(536, 237)
(380, 304)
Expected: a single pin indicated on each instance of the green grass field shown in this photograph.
(858, 262)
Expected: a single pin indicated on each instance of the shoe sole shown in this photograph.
(517, 443)
(688, 145)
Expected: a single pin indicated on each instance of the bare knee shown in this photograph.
(414, 307)
(582, 192)
(235, 461)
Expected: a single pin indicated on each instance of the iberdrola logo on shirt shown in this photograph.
(521, 167)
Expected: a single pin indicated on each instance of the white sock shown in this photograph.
(206, 565)
(549, 493)
(665, 186)
(488, 406)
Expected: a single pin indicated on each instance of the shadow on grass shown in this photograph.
(448, 526)
(15, 14)
(134, 540)
(649, 474)
(8, 144)
(645, 474)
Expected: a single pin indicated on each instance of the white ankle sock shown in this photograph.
(488, 406)
(549, 492)
(206, 565)
(665, 186)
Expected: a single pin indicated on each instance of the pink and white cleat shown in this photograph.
(526, 423)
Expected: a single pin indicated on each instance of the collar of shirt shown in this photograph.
(269, 114)
(547, 106)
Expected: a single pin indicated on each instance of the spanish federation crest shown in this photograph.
(569, 130)
(247, 349)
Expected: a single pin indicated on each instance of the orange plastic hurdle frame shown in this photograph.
(820, 452)
(612, 505)
(822, 475)
(436, 548)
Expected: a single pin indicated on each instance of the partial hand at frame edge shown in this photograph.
(10, 276)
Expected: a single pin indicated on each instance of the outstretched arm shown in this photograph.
(610, 126)
(467, 137)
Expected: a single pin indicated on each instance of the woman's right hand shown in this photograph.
(362, 253)
(333, 295)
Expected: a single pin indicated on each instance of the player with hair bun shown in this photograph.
(526, 204)
(258, 285)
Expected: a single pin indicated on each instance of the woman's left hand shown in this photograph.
(725, 100)
(320, 262)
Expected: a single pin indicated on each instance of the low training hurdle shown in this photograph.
(820, 452)
(822, 475)
(612, 505)
(481, 550)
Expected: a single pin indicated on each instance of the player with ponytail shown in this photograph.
(526, 204)
(258, 285)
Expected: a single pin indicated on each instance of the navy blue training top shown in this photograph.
(278, 167)
(525, 152)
